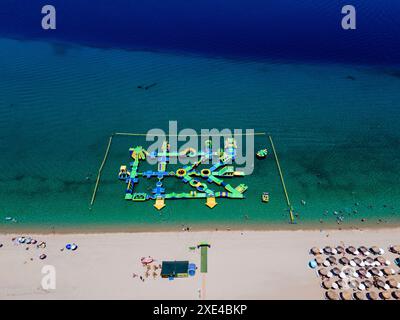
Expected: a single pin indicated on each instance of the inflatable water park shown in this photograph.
(200, 180)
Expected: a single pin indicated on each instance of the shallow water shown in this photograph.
(335, 128)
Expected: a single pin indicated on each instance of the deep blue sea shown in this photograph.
(329, 97)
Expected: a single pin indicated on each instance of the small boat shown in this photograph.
(265, 197)
(261, 154)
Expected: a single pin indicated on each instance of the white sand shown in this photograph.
(248, 265)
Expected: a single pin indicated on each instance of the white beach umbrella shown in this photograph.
(355, 275)
(362, 264)
(387, 262)
(329, 274)
(386, 287)
(356, 252)
(368, 275)
(352, 263)
(326, 263)
(361, 287)
(342, 275)
(335, 286)
(381, 251)
(334, 251)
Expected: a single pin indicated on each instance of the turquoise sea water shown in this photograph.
(335, 128)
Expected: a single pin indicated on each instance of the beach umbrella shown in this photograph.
(339, 249)
(368, 275)
(332, 295)
(334, 251)
(315, 251)
(357, 260)
(368, 284)
(363, 249)
(74, 247)
(146, 260)
(354, 284)
(335, 286)
(42, 256)
(319, 260)
(323, 272)
(352, 263)
(380, 284)
(359, 296)
(396, 294)
(332, 260)
(42, 245)
(327, 284)
(342, 275)
(381, 251)
(336, 271)
(344, 261)
(395, 249)
(373, 295)
(68, 246)
(329, 274)
(385, 295)
(346, 295)
(33, 241)
(340, 283)
(328, 250)
(361, 287)
(393, 283)
(380, 259)
(312, 264)
(374, 250)
(351, 250)
(368, 260)
(374, 271)
(362, 272)
(327, 263)
(387, 262)
(388, 271)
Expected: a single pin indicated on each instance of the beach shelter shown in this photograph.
(332, 295)
(373, 295)
(346, 295)
(385, 295)
(203, 256)
(395, 249)
(396, 294)
(174, 269)
(359, 296)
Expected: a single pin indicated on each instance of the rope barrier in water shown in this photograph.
(100, 171)
(190, 135)
(282, 181)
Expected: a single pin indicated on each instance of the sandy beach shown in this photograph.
(241, 264)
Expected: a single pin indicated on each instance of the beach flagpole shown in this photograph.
(282, 181)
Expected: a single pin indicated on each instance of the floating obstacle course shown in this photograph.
(188, 174)
(200, 180)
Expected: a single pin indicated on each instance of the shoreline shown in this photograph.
(40, 230)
